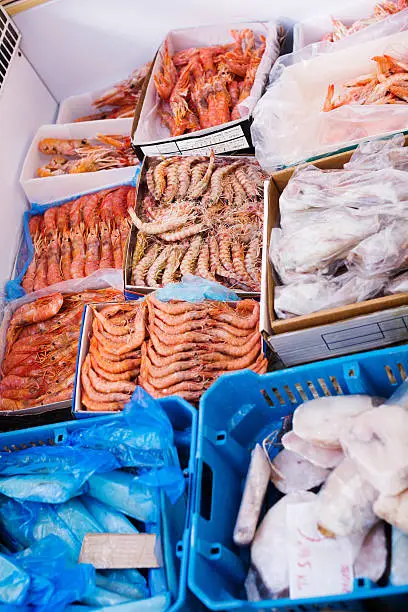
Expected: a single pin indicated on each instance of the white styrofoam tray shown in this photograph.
(74, 107)
(50, 189)
(312, 30)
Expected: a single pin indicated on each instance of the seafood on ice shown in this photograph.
(38, 367)
(358, 481)
(120, 100)
(74, 156)
(386, 84)
(202, 216)
(382, 10)
(110, 370)
(201, 87)
(77, 238)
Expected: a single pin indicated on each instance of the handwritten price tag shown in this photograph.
(318, 565)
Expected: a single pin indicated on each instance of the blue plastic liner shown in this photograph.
(14, 289)
(239, 410)
(196, 289)
(21, 519)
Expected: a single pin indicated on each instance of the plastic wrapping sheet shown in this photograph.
(149, 126)
(399, 284)
(383, 253)
(196, 289)
(289, 124)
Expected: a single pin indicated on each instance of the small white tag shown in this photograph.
(318, 566)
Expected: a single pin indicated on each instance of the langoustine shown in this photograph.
(38, 366)
(77, 238)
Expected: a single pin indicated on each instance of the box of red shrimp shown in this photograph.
(204, 85)
(194, 236)
(60, 183)
(128, 379)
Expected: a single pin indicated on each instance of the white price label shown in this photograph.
(318, 566)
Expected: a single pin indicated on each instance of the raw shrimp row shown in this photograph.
(109, 373)
(202, 216)
(86, 155)
(202, 87)
(381, 11)
(120, 101)
(41, 347)
(387, 84)
(190, 345)
(79, 237)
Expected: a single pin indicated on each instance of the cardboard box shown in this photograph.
(328, 333)
(134, 291)
(51, 189)
(232, 136)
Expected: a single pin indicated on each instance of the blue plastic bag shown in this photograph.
(101, 597)
(110, 520)
(51, 474)
(55, 580)
(121, 491)
(195, 289)
(143, 437)
(14, 582)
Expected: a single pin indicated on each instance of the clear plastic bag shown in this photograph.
(382, 253)
(289, 125)
(128, 583)
(318, 240)
(302, 298)
(380, 153)
(399, 284)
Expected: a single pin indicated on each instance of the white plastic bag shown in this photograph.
(399, 284)
(311, 296)
(289, 123)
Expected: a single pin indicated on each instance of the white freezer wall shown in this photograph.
(84, 45)
(25, 103)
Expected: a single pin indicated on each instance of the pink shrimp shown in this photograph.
(54, 260)
(95, 395)
(113, 376)
(219, 361)
(50, 221)
(90, 205)
(114, 367)
(92, 251)
(236, 319)
(100, 406)
(40, 279)
(108, 386)
(75, 213)
(78, 253)
(29, 277)
(66, 258)
(106, 260)
(63, 216)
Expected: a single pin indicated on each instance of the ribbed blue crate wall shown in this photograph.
(239, 410)
(175, 518)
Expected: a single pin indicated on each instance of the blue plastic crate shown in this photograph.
(175, 518)
(239, 410)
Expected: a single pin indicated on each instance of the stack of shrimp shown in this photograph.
(387, 85)
(86, 155)
(121, 100)
(79, 237)
(191, 345)
(202, 87)
(381, 11)
(41, 347)
(110, 370)
(200, 216)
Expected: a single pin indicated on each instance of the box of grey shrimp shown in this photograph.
(151, 137)
(189, 245)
